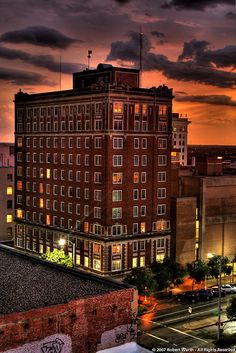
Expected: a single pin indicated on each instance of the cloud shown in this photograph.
(198, 5)
(180, 71)
(160, 36)
(197, 51)
(215, 99)
(40, 36)
(44, 61)
(22, 78)
(122, 1)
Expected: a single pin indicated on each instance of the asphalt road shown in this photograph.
(177, 329)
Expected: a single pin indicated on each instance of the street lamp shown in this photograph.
(62, 243)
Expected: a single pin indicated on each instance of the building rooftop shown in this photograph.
(28, 283)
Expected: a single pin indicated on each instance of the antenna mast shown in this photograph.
(89, 57)
(140, 56)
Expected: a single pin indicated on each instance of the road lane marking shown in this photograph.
(185, 333)
(157, 338)
(174, 329)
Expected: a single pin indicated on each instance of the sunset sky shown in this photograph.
(189, 45)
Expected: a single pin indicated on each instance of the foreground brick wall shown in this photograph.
(94, 323)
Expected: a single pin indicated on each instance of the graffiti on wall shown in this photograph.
(52, 344)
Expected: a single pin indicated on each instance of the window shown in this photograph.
(143, 194)
(97, 160)
(117, 161)
(142, 245)
(142, 261)
(136, 143)
(116, 195)
(78, 142)
(136, 160)
(163, 110)
(136, 177)
(134, 262)
(97, 177)
(161, 209)
(161, 193)
(97, 264)
(162, 160)
(143, 211)
(137, 108)
(86, 177)
(143, 177)
(41, 203)
(19, 142)
(116, 265)
(48, 172)
(161, 176)
(135, 228)
(135, 246)
(162, 143)
(97, 195)
(86, 142)
(135, 194)
(9, 190)
(9, 218)
(10, 177)
(117, 178)
(98, 142)
(116, 249)
(86, 159)
(86, 194)
(117, 230)
(86, 210)
(86, 261)
(118, 125)
(117, 142)
(160, 243)
(144, 143)
(135, 211)
(144, 160)
(117, 213)
(118, 107)
(9, 203)
(97, 212)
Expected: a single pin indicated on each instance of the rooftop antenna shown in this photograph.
(89, 57)
(140, 55)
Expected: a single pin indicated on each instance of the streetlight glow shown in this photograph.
(61, 242)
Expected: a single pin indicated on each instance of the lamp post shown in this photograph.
(62, 243)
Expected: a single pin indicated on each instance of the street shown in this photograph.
(177, 328)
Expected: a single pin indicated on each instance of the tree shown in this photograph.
(58, 256)
(161, 274)
(214, 266)
(177, 271)
(197, 271)
(231, 309)
(141, 278)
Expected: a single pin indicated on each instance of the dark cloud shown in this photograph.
(180, 71)
(215, 99)
(197, 51)
(40, 36)
(194, 4)
(231, 15)
(23, 78)
(122, 1)
(44, 61)
(160, 36)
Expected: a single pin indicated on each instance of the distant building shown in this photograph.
(203, 213)
(93, 166)
(6, 191)
(47, 308)
(180, 139)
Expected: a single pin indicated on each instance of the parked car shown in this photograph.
(205, 294)
(189, 296)
(215, 291)
(227, 288)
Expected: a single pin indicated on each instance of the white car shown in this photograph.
(227, 288)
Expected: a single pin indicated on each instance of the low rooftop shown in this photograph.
(29, 283)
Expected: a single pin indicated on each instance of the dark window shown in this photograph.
(9, 203)
(10, 177)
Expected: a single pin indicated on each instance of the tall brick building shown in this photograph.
(93, 167)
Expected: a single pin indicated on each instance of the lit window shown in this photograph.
(136, 108)
(96, 248)
(117, 178)
(134, 262)
(144, 109)
(118, 107)
(143, 227)
(116, 212)
(163, 110)
(142, 261)
(19, 185)
(116, 265)
(19, 142)
(116, 195)
(97, 264)
(41, 203)
(86, 261)
(116, 249)
(48, 173)
(19, 213)
(48, 219)
(86, 227)
(9, 190)
(9, 218)
(136, 177)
